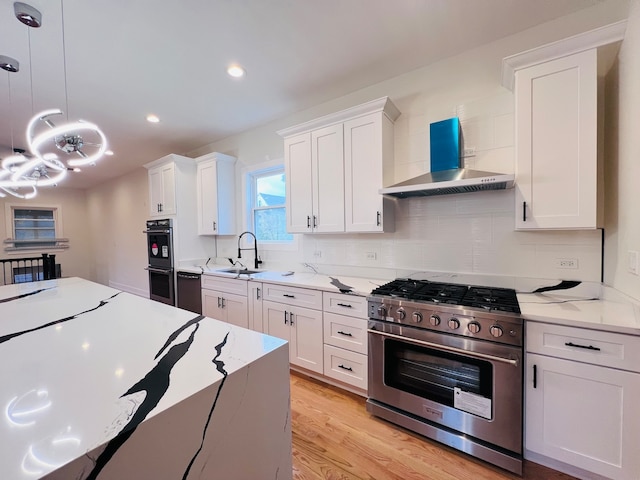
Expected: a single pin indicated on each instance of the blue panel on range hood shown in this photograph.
(445, 144)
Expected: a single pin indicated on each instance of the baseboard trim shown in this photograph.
(129, 289)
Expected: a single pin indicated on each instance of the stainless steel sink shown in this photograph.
(240, 271)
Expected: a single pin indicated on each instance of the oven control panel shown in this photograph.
(451, 319)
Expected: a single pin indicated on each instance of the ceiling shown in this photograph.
(128, 58)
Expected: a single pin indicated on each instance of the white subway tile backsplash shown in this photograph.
(503, 128)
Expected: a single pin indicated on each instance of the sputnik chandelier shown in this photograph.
(21, 173)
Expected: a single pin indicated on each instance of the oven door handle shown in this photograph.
(446, 348)
(159, 270)
(156, 231)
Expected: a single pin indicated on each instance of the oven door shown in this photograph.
(471, 386)
(160, 248)
(161, 286)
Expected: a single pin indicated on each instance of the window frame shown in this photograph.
(250, 174)
(10, 247)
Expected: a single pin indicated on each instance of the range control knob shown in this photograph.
(496, 330)
(416, 317)
(382, 311)
(454, 323)
(434, 320)
(474, 327)
(401, 314)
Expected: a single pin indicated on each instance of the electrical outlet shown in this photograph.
(469, 152)
(567, 263)
(317, 254)
(371, 255)
(632, 262)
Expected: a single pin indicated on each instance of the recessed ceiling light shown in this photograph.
(108, 152)
(151, 118)
(235, 71)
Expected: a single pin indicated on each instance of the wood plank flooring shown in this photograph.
(335, 438)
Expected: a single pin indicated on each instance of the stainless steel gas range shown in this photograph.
(445, 361)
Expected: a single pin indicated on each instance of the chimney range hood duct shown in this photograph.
(447, 174)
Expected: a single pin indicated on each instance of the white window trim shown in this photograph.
(247, 202)
(9, 227)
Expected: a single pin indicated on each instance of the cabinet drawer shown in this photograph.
(228, 285)
(346, 366)
(590, 346)
(342, 304)
(301, 297)
(345, 332)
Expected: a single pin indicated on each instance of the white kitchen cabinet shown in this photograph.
(255, 297)
(368, 166)
(334, 166)
(581, 413)
(216, 194)
(557, 143)
(314, 173)
(225, 299)
(170, 179)
(226, 307)
(302, 328)
(345, 339)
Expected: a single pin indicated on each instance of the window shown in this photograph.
(34, 228)
(266, 194)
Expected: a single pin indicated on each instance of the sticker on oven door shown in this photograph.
(472, 403)
(165, 251)
(154, 249)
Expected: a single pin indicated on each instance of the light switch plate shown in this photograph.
(632, 262)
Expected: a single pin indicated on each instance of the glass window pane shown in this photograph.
(31, 214)
(270, 190)
(270, 224)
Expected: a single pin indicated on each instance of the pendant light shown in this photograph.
(83, 141)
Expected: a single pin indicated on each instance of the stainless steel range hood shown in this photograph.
(447, 175)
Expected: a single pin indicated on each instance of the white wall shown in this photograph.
(117, 211)
(74, 261)
(623, 172)
(458, 233)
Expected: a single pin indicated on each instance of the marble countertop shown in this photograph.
(318, 281)
(587, 305)
(81, 362)
(609, 311)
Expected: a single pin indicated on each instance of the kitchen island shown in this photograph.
(101, 384)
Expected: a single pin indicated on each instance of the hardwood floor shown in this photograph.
(335, 438)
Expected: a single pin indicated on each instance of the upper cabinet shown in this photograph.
(334, 166)
(558, 105)
(170, 177)
(216, 194)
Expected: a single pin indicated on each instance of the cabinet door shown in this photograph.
(162, 191)
(583, 415)
(276, 323)
(255, 307)
(212, 305)
(207, 198)
(363, 173)
(556, 143)
(327, 173)
(297, 165)
(235, 307)
(306, 348)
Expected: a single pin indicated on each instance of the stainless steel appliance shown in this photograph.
(160, 260)
(189, 292)
(445, 361)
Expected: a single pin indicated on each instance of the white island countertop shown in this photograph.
(98, 383)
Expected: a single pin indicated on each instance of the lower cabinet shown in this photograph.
(302, 327)
(255, 296)
(225, 299)
(582, 414)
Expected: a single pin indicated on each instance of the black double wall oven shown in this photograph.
(160, 260)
